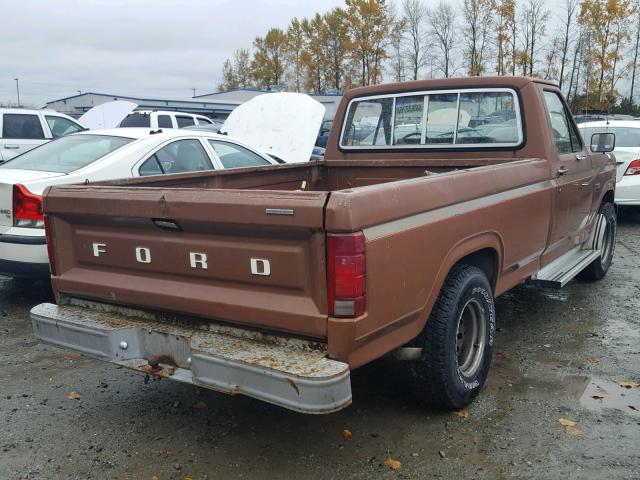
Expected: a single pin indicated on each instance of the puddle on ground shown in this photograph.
(598, 394)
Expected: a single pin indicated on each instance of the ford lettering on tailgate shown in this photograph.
(259, 266)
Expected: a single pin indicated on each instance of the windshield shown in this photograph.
(625, 136)
(67, 154)
(136, 119)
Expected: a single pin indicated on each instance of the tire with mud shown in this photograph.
(599, 268)
(457, 341)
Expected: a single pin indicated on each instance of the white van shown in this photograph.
(163, 119)
(21, 129)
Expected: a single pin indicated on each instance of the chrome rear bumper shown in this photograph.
(292, 374)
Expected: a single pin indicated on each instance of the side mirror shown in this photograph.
(603, 142)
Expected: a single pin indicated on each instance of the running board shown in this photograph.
(564, 269)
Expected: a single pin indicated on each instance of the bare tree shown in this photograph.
(575, 68)
(442, 26)
(551, 71)
(635, 55)
(414, 15)
(536, 17)
(567, 26)
(478, 20)
(396, 41)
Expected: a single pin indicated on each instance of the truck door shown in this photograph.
(574, 177)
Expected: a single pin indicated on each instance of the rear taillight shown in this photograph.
(27, 208)
(633, 168)
(346, 274)
(48, 231)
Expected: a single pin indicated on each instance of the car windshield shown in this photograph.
(67, 154)
(625, 136)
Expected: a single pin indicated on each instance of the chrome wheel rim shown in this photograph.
(470, 338)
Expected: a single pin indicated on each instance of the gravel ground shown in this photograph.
(556, 350)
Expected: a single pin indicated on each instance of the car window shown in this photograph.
(151, 166)
(136, 119)
(204, 121)
(235, 156)
(67, 154)
(187, 155)
(565, 139)
(61, 126)
(164, 121)
(184, 121)
(407, 125)
(625, 136)
(19, 125)
(487, 117)
(369, 123)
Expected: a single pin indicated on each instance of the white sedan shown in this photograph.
(627, 153)
(96, 156)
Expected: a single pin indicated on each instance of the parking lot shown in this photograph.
(559, 356)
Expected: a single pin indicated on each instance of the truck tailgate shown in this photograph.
(245, 256)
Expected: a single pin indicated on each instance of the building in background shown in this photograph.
(77, 105)
(329, 100)
(216, 105)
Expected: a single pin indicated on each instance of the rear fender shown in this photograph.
(361, 350)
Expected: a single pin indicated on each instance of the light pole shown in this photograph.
(194, 92)
(18, 89)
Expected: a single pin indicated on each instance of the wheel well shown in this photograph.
(487, 261)
(608, 197)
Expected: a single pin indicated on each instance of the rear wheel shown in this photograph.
(457, 341)
(599, 268)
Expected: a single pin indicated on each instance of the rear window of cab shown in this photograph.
(434, 119)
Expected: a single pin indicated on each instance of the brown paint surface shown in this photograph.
(421, 211)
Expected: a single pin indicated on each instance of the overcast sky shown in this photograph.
(159, 48)
(150, 48)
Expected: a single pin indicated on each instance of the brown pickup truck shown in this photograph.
(275, 282)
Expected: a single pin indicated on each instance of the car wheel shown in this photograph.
(599, 268)
(457, 341)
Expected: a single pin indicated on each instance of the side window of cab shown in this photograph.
(565, 136)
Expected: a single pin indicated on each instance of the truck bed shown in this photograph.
(280, 214)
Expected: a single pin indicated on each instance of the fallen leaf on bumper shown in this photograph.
(392, 464)
(346, 434)
(73, 395)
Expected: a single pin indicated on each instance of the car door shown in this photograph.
(20, 133)
(574, 176)
(178, 156)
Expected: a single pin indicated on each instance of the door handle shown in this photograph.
(580, 156)
(12, 147)
(584, 184)
(562, 171)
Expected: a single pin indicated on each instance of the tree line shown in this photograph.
(589, 47)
